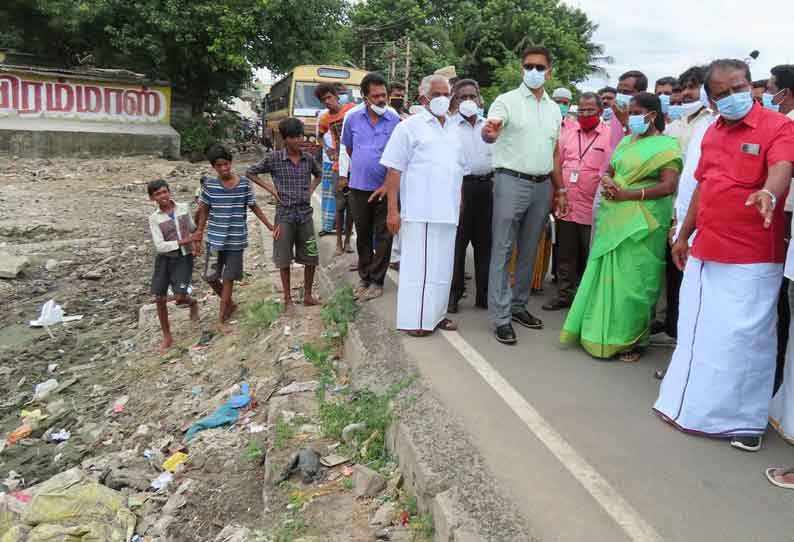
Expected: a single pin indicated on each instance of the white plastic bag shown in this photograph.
(51, 314)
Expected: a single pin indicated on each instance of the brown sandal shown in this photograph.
(630, 357)
(447, 325)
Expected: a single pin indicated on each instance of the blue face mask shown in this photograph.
(623, 100)
(534, 79)
(344, 98)
(735, 106)
(676, 112)
(768, 99)
(564, 109)
(637, 124)
(607, 115)
(665, 99)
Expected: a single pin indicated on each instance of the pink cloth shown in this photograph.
(589, 160)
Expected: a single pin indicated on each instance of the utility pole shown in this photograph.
(407, 63)
(364, 53)
(393, 67)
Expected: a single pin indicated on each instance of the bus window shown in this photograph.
(279, 95)
(336, 73)
(306, 103)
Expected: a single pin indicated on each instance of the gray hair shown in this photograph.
(427, 82)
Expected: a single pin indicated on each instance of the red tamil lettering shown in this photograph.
(151, 100)
(9, 92)
(64, 98)
(26, 109)
(119, 93)
(133, 104)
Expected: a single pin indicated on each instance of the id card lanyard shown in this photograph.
(574, 178)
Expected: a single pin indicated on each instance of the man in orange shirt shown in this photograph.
(331, 122)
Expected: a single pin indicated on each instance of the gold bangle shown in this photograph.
(643, 195)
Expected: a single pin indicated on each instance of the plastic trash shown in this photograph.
(60, 436)
(51, 314)
(224, 415)
(298, 387)
(162, 481)
(174, 461)
(23, 431)
(44, 389)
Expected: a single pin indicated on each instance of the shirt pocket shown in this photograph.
(750, 168)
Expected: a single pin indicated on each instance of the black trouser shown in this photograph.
(673, 278)
(573, 247)
(474, 227)
(373, 240)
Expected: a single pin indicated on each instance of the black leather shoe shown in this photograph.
(452, 307)
(505, 334)
(556, 304)
(527, 320)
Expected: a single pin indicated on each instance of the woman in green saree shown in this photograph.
(612, 311)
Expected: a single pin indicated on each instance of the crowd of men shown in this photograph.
(421, 184)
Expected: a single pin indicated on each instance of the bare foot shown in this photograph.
(223, 328)
(167, 343)
(309, 301)
(289, 308)
(339, 251)
(231, 310)
(348, 249)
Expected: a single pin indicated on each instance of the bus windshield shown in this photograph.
(306, 103)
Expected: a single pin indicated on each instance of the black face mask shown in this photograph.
(397, 103)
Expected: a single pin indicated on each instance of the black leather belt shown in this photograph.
(524, 176)
(487, 177)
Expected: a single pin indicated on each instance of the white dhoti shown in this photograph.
(426, 261)
(781, 409)
(395, 249)
(720, 378)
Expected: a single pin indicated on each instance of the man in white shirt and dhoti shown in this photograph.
(426, 168)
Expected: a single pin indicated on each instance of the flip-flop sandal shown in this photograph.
(353, 268)
(772, 472)
(419, 333)
(447, 325)
(629, 357)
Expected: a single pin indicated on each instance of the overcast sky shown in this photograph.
(665, 37)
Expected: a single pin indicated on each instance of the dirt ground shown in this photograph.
(83, 225)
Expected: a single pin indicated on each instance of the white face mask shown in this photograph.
(534, 79)
(439, 106)
(468, 108)
(378, 109)
(691, 107)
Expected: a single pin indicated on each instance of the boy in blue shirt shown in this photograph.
(222, 210)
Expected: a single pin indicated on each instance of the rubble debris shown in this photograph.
(367, 482)
(306, 461)
(12, 266)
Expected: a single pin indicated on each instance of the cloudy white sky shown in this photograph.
(664, 37)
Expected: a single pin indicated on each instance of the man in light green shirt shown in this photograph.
(523, 125)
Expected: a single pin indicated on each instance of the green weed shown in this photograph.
(348, 484)
(261, 314)
(422, 526)
(292, 528)
(254, 451)
(338, 312)
(285, 432)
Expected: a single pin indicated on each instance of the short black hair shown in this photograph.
(726, 64)
(154, 186)
(395, 85)
(591, 96)
(537, 50)
(641, 83)
(695, 75)
(784, 76)
(760, 83)
(323, 89)
(604, 90)
(218, 152)
(372, 79)
(290, 127)
(651, 102)
(672, 81)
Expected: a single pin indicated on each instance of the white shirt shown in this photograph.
(431, 160)
(478, 154)
(687, 182)
(344, 159)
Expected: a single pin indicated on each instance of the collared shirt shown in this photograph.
(734, 163)
(586, 154)
(479, 159)
(227, 228)
(168, 230)
(682, 129)
(789, 205)
(568, 124)
(431, 160)
(530, 129)
(367, 142)
(292, 183)
(687, 182)
(331, 123)
(345, 160)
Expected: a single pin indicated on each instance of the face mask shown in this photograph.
(533, 78)
(481, 111)
(378, 109)
(704, 98)
(637, 124)
(665, 99)
(607, 115)
(588, 123)
(397, 103)
(468, 108)
(564, 109)
(735, 106)
(676, 112)
(343, 99)
(623, 100)
(688, 109)
(768, 101)
(439, 106)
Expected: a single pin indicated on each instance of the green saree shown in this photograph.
(611, 312)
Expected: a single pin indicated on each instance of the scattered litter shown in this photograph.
(52, 367)
(119, 404)
(174, 461)
(349, 431)
(23, 431)
(161, 482)
(52, 314)
(147, 454)
(13, 480)
(60, 436)
(298, 387)
(196, 391)
(222, 416)
(44, 389)
(32, 417)
(295, 347)
(287, 331)
(257, 428)
(307, 462)
(21, 497)
(347, 470)
(334, 460)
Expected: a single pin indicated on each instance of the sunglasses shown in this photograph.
(539, 67)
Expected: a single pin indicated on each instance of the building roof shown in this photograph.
(90, 73)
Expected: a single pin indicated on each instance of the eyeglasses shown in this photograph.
(539, 67)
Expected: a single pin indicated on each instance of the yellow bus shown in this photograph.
(293, 96)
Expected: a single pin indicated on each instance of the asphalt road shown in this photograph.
(599, 465)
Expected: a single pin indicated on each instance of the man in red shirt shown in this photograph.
(720, 378)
